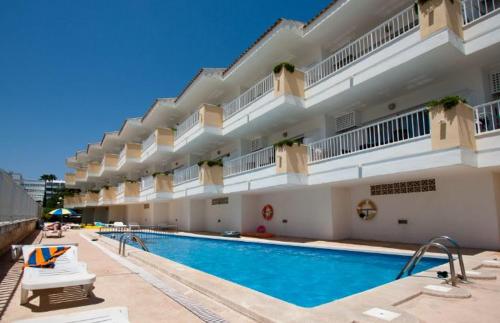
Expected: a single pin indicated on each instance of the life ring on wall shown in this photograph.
(267, 212)
(366, 209)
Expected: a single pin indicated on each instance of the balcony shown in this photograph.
(91, 199)
(187, 174)
(387, 32)
(260, 89)
(156, 188)
(202, 127)
(251, 162)
(109, 164)
(129, 156)
(473, 10)
(127, 192)
(157, 146)
(487, 126)
(69, 202)
(70, 179)
(81, 175)
(93, 170)
(107, 195)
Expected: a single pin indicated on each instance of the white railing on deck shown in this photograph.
(146, 182)
(123, 156)
(257, 91)
(258, 159)
(149, 141)
(475, 9)
(186, 174)
(397, 129)
(487, 117)
(393, 28)
(187, 124)
(121, 188)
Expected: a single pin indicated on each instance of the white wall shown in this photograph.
(117, 213)
(160, 213)
(135, 213)
(463, 207)
(15, 202)
(308, 212)
(224, 217)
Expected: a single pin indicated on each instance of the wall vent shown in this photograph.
(495, 83)
(220, 200)
(347, 121)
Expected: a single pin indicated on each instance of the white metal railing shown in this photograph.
(187, 124)
(186, 174)
(393, 28)
(120, 189)
(149, 141)
(122, 157)
(472, 10)
(487, 117)
(147, 182)
(258, 159)
(254, 93)
(397, 129)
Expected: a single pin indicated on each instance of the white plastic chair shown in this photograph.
(119, 225)
(66, 272)
(107, 315)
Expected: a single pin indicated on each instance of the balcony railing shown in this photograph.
(390, 30)
(149, 141)
(251, 95)
(487, 117)
(147, 182)
(472, 10)
(120, 189)
(187, 124)
(397, 129)
(187, 174)
(256, 160)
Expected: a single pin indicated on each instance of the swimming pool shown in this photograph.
(303, 276)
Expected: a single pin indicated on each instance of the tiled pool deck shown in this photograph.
(155, 289)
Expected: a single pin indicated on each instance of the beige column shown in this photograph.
(210, 116)
(291, 159)
(163, 183)
(164, 137)
(289, 83)
(133, 150)
(210, 175)
(453, 127)
(132, 189)
(436, 15)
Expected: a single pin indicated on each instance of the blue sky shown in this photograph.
(71, 70)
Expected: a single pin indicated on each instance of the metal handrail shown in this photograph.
(132, 237)
(459, 254)
(420, 253)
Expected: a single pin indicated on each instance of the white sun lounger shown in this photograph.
(66, 272)
(134, 225)
(119, 225)
(106, 315)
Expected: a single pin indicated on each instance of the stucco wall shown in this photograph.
(11, 233)
(463, 207)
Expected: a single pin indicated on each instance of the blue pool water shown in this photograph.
(305, 277)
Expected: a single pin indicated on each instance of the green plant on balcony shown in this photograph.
(448, 102)
(160, 173)
(211, 163)
(106, 187)
(131, 181)
(289, 67)
(94, 191)
(287, 142)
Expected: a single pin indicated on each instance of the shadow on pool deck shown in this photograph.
(10, 275)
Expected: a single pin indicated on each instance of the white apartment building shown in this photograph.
(361, 153)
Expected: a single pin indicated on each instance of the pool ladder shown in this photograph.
(419, 254)
(130, 237)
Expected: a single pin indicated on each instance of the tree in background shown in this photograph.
(46, 178)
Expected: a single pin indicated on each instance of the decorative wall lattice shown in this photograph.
(424, 185)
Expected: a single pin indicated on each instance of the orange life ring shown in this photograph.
(267, 212)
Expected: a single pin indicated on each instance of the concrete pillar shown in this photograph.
(291, 159)
(164, 136)
(286, 83)
(210, 116)
(453, 127)
(210, 175)
(437, 15)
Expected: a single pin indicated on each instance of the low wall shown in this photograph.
(11, 233)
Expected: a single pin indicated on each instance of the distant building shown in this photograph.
(36, 188)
